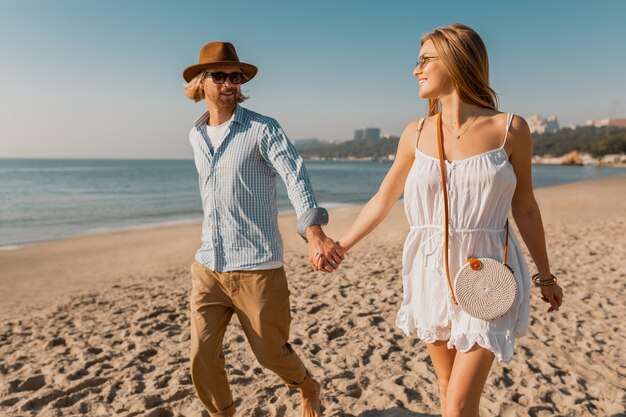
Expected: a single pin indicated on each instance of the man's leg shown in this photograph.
(262, 306)
(211, 310)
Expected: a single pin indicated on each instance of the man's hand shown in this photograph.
(324, 253)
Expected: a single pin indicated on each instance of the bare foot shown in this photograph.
(310, 393)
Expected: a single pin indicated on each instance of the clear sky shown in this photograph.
(102, 79)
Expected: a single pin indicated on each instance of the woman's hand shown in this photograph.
(553, 295)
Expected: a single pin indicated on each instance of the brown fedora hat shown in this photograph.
(214, 54)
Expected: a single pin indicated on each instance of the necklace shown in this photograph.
(456, 133)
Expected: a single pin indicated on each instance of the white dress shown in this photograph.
(480, 190)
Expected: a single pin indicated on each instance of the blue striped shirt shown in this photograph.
(238, 190)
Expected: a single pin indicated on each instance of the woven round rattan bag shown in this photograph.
(485, 288)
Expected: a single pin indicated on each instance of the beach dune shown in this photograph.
(98, 325)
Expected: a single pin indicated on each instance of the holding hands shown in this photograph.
(324, 253)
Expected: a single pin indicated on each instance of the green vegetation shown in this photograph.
(378, 149)
(597, 141)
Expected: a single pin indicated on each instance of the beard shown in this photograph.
(219, 99)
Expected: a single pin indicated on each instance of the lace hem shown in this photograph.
(501, 345)
(410, 326)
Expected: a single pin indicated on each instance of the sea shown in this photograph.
(46, 199)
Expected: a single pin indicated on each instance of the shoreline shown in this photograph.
(103, 231)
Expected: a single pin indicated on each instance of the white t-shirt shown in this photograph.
(265, 265)
(217, 133)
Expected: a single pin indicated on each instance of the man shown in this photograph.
(238, 269)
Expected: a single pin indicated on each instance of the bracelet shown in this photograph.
(545, 283)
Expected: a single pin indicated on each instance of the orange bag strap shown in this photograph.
(446, 220)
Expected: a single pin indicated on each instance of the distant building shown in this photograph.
(617, 122)
(539, 125)
(367, 133)
(372, 133)
(597, 123)
(606, 122)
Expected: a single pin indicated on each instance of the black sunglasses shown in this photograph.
(220, 77)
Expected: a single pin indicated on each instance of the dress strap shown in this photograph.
(509, 119)
(419, 131)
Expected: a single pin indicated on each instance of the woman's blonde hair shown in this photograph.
(464, 56)
(195, 92)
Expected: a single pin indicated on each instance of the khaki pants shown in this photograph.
(261, 301)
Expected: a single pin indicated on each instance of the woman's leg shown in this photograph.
(467, 380)
(442, 359)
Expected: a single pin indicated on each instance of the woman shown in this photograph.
(488, 170)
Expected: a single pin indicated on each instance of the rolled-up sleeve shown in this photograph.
(280, 153)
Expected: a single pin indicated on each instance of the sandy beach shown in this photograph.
(98, 325)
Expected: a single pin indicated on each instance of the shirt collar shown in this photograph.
(237, 117)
